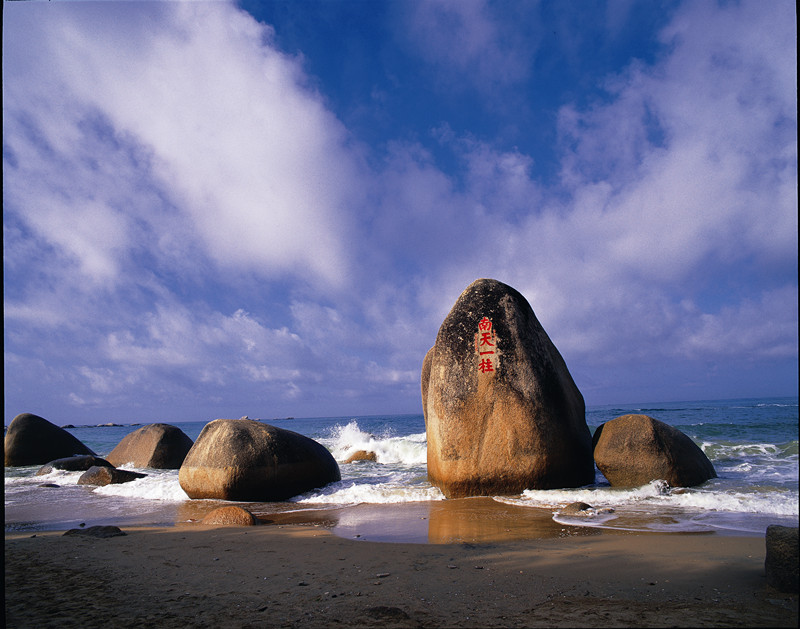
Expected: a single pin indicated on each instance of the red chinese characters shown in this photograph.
(486, 347)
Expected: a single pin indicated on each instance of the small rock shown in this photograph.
(230, 516)
(387, 613)
(362, 455)
(97, 531)
(576, 508)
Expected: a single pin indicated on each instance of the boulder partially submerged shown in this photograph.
(32, 440)
(79, 463)
(101, 475)
(157, 446)
(502, 412)
(362, 455)
(633, 450)
(242, 459)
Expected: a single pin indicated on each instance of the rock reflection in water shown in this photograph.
(485, 520)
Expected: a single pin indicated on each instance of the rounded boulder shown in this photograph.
(362, 455)
(157, 446)
(633, 450)
(230, 516)
(242, 459)
(32, 440)
(79, 463)
(502, 412)
(101, 475)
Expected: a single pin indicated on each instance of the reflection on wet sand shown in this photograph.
(464, 520)
(485, 520)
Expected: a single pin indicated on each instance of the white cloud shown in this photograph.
(684, 179)
(241, 145)
(751, 330)
(145, 155)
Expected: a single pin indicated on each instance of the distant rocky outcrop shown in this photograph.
(361, 455)
(158, 446)
(241, 459)
(32, 440)
(633, 450)
(73, 464)
(100, 475)
(781, 562)
(230, 516)
(501, 409)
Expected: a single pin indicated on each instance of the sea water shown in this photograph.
(752, 443)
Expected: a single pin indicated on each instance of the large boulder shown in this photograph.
(781, 561)
(79, 463)
(502, 412)
(32, 440)
(101, 475)
(425, 380)
(242, 459)
(158, 446)
(633, 450)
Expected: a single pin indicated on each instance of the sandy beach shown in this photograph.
(293, 571)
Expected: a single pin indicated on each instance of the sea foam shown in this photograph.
(346, 440)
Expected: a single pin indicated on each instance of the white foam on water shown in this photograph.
(596, 496)
(397, 488)
(349, 439)
(657, 495)
(157, 485)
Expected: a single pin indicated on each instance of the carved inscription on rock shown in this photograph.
(486, 347)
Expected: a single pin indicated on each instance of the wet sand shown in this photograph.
(294, 571)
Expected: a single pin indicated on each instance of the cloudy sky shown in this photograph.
(217, 209)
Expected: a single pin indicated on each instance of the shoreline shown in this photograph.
(299, 573)
(476, 519)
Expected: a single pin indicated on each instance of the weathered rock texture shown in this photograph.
(32, 440)
(158, 446)
(230, 516)
(502, 412)
(73, 464)
(575, 508)
(100, 475)
(362, 455)
(426, 378)
(781, 562)
(633, 450)
(241, 459)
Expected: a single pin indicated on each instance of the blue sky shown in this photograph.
(217, 209)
